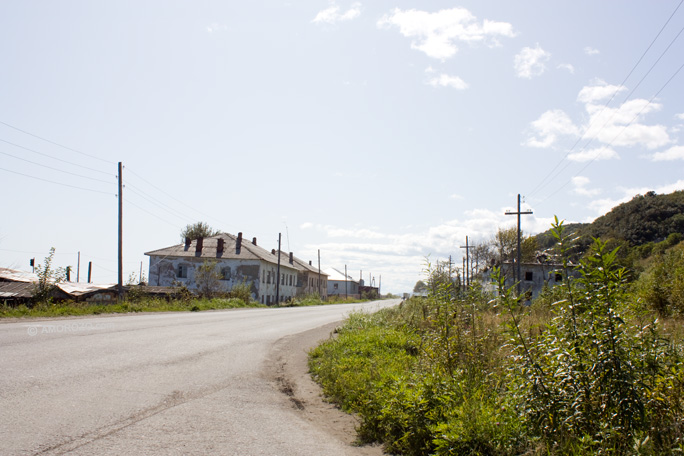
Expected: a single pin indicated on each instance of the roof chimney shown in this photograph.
(310, 263)
(219, 246)
(254, 241)
(198, 247)
(272, 251)
(238, 243)
(187, 242)
(291, 258)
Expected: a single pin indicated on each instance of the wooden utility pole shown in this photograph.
(278, 272)
(346, 291)
(120, 287)
(518, 213)
(467, 263)
(319, 273)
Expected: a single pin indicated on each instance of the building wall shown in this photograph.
(260, 275)
(337, 288)
(308, 283)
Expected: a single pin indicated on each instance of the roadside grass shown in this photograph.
(72, 308)
(582, 371)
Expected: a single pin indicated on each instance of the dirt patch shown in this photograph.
(287, 367)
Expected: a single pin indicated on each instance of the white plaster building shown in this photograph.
(237, 260)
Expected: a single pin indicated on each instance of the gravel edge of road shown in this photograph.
(287, 367)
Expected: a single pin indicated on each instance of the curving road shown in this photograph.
(168, 383)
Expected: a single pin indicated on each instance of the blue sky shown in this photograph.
(380, 133)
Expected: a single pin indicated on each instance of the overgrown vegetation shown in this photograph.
(586, 369)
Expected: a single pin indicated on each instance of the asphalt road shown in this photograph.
(167, 383)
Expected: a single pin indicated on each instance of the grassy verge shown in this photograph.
(580, 372)
(149, 305)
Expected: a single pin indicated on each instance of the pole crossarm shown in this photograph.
(518, 213)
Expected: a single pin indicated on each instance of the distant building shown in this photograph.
(534, 276)
(238, 262)
(341, 285)
(310, 281)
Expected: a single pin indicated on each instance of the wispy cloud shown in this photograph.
(591, 51)
(216, 27)
(334, 14)
(531, 62)
(566, 66)
(438, 34)
(445, 80)
(600, 153)
(580, 183)
(603, 206)
(549, 126)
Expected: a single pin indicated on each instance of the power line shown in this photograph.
(54, 169)
(56, 183)
(54, 158)
(57, 144)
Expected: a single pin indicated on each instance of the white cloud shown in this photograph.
(591, 51)
(680, 116)
(306, 225)
(333, 14)
(603, 206)
(622, 126)
(456, 196)
(598, 91)
(531, 62)
(437, 34)
(549, 126)
(566, 66)
(444, 80)
(673, 153)
(600, 153)
(581, 183)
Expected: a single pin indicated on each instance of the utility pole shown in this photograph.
(319, 273)
(346, 291)
(78, 267)
(467, 263)
(120, 287)
(518, 213)
(278, 272)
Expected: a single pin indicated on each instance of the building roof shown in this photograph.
(15, 290)
(299, 264)
(336, 276)
(249, 250)
(80, 289)
(13, 275)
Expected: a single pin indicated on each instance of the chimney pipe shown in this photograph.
(187, 242)
(198, 247)
(254, 241)
(219, 246)
(310, 263)
(238, 243)
(291, 258)
(272, 251)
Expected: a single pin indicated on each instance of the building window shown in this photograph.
(335, 286)
(182, 271)
(268, 277)
(282, 278)
(225, 273)
(559, 277)
(290, 280)
(528, 276)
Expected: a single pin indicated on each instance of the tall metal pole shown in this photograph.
(346, 294)
(120, 287)
(518, 213)
(467, 263)
(278, 272)
(319, 273)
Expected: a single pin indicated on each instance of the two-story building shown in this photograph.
(237, 260)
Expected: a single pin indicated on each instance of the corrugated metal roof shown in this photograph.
(16, 290)
(80, 289)
(248, 250)
(13, 275)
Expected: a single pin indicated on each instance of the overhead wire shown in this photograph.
(53, 168)
(54, 158)
(57, 183)
(56, 143)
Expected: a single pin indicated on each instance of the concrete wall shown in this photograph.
(337, 288)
